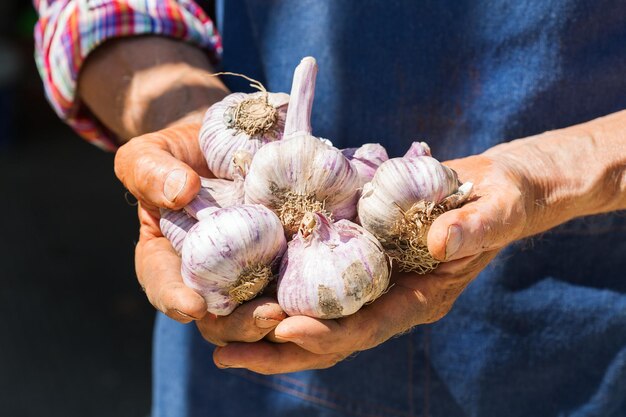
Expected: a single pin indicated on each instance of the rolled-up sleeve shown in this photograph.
(68, 30)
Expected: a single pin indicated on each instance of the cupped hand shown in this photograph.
(162, 169)
(467, 238)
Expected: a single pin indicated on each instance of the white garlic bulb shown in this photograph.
(241, 122)
(401, 202)
(331, 270)
(302, 173)
(228, 257)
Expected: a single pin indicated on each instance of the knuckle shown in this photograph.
(209, 333)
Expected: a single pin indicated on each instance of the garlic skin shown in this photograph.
(214, 194)
(331, 270)
(241, 122)
(175, 225)
(366, 160)
(228, 257)
(418, 149)
(302, 174)
(402, 200)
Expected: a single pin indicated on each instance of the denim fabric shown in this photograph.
(542, 331)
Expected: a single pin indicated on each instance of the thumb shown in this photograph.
(488, 223)
(156, 176)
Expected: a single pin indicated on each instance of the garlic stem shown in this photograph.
(301, 102)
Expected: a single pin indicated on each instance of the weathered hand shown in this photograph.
(469, 238)
(161, 170)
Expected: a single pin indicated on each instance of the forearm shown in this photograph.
(572, 172)
(142, 84)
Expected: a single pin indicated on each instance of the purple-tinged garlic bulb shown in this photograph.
(331, 270)
(366, 159)
(401, 202)
(175, 225)
(241, 122)
(302, 173)
(228, 257)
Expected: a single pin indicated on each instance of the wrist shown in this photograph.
(568, 173)
(151, 82)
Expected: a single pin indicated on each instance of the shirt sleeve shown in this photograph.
(68, 30)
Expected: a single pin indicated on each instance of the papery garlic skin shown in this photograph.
(418, 149)
(400, 203)
(331, 270)
(302, 174)
(228, 256)
(214, 194)
(175, 225)
(366, 160)
(225, 129)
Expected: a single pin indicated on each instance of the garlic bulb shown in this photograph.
(401, 202)
(228, 256)
(331, 270)
(301, 173)
(366, 159)
(241, 122)
(175, 225)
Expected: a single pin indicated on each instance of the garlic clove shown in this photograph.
(229, 256)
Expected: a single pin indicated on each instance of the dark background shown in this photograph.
(75, 328)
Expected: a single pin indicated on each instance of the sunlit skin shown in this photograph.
(521, 188)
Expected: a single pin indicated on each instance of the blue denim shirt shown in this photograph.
(542, 330)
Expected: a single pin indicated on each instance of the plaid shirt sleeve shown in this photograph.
(68, 30)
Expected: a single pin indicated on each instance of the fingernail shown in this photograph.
(218, 363)
(265, 323)
(174, 184)
(288, 339)
(454, 240)
(185, 315)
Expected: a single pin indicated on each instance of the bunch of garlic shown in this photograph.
(303, 190)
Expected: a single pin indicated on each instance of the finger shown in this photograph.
(411, 301)
(270, 358)
(161, 169)
(249, 322)
(158, 272)
(495, 219)
(394, 312)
